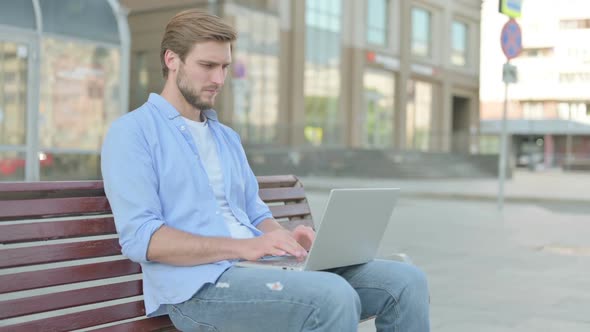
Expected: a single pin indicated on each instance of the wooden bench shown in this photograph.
(60, 261)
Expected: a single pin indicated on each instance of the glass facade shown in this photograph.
(459, 39)
(421, 32)
(322, 72)
(418, 115)
(377, 22)
(378, 117)
(255, 76)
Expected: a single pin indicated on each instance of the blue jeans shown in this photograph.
(249, 299)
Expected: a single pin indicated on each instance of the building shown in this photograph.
(375, 74)
(549, 107)
(313, 75)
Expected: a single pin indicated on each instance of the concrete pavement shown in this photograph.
(523, 269)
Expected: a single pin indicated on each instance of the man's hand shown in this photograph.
(278, 242)
(304, 235)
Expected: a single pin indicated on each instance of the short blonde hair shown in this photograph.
(189, 27)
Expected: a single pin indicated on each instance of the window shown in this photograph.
(573, 111)
(537, 52)
(418, 115)
(532, 110)
(574, 77)
(378, 116)
(421, 32)
(322, 72)
(459, 43)
(377, 26)
(255, 76)
(574, 24)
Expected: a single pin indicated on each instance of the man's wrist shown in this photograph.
(269, 225)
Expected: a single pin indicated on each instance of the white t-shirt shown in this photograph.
(208, 152)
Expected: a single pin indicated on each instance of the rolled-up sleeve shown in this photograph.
(256, 209)
(131, 186)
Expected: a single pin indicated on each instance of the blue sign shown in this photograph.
(511, 8)
(511, 39)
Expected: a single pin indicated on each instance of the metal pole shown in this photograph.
(568, 140)
(503, 151)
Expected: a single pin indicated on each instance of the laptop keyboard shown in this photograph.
(290, 261)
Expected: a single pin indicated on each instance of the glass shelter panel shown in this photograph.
(13, 92)
(79, 100)
(12, 166)
(84, 19)
(19, 13)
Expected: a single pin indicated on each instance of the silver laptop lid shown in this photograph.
(352, 227)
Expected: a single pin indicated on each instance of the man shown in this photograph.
(186, 207)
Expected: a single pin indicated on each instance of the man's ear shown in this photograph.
(172, 61)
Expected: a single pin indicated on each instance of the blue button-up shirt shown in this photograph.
(153, 176)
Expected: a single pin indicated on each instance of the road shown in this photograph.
(524, 270)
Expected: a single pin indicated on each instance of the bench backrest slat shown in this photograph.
(54, 230)
(271, 195)
(66, 275)
(274, 181)
(81, 319)
(289, 211)
(22, 209)
(67, 299)
(161, 323)
(59, 252)
(48, 188)
(57, 222)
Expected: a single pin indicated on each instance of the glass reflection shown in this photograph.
(322, 72)
(378, 119)
(421, 32)
(13, 93)
(12, 166)
(79, 97)
(377, 23)
(459, 43)
(418, 115)
(255, 76)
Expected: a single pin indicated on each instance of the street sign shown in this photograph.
(509, 74)
(511, 39)
(511, 8)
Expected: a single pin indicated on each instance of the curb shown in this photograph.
(466, 196)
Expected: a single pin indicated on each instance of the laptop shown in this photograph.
(351, 230)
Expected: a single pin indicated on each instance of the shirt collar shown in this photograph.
(171, 112)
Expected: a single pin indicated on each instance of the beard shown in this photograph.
(190, 95)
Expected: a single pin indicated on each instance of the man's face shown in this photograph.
(202, 74)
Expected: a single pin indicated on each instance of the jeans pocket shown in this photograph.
(187, 324)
